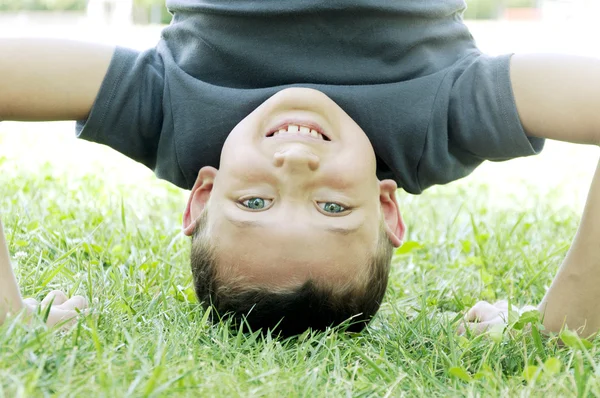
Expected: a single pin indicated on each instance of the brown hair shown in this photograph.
(288, 313)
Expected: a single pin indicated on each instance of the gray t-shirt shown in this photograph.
(408, 72)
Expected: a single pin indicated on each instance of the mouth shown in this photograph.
(299, 129)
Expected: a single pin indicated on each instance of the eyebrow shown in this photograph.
(254, 224)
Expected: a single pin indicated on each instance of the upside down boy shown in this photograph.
(293, 123)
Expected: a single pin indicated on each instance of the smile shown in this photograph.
(292, 129)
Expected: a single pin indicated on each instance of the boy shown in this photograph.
(295, 224)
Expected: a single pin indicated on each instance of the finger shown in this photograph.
(528, 308)
(56, 297)
(74, 302)
(501, 304)
(481, 312)
(473, 327)
(63, 318)
(479, 327)
(31, 303)
(482, 327)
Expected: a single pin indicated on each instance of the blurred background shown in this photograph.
(116, 12)
(499, 26)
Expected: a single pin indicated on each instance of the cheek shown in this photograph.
(354, 164)
(355, 178)
(246, 167)
(240, 139)
(239, 152)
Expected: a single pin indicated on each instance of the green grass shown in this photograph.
(101, 227)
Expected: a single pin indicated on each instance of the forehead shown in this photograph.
(282, 255)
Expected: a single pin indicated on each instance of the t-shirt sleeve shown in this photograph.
(474, 118)
(127, 114)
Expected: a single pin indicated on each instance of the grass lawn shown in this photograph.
(81, 218)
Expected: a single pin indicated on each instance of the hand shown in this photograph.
(484, 315)
(63, 310)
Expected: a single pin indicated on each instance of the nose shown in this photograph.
(297, 159)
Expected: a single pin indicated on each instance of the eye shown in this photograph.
(256, 203)
(331, 207)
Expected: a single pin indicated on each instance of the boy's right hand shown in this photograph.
(483, 315)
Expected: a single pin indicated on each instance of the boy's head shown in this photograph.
(295, 223)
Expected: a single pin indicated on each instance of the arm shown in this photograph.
(574, 294)
(10, 297)
(558, 96)
(573, 297)
(43, 79)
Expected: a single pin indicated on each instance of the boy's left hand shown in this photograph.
(63, 310)
(484, 315)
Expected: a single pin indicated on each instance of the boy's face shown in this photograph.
(286, 206)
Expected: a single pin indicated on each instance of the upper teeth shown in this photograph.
(302, 130)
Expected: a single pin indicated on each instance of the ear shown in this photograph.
(394, 225)
(198, 198)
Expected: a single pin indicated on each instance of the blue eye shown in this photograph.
(256, 203)
(331, 207)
